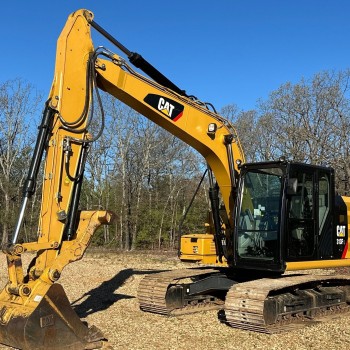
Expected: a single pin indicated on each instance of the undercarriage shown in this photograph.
(269, 305)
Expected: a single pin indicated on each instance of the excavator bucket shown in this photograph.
(35, 312)
(51, 325)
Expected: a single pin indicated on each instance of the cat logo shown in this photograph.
(341, 231)
(166, 106)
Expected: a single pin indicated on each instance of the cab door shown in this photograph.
(258, 217)
(301, 215)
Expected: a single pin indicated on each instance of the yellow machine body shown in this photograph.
(199, 248)
(34, 310)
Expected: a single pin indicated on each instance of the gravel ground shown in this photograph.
(102, 288)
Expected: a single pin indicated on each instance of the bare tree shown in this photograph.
(309, 121)
(18, 108)
(246, 124)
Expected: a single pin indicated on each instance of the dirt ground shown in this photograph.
(102, 288)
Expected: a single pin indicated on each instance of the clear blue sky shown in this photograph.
(223, 51)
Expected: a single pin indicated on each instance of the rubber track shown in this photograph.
(244, 304)
(153, 288)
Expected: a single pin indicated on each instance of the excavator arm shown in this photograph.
(34, 310)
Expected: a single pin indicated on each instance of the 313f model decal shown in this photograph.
(166, 106)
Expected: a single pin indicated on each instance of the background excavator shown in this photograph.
(266, 218)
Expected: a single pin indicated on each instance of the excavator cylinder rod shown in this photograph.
(138, 61)
(108, 36)
(30, 184)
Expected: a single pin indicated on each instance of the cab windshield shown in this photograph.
(259, 216)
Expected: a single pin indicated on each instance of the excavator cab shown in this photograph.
(284, 217)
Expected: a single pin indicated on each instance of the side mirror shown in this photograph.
(292, 185)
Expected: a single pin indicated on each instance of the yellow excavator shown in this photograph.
(266, 218)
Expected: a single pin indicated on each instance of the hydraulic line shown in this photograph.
(228, 143)
(78, 181)
(91, 85)
(219, 238)
(191, 202)
(189, 206)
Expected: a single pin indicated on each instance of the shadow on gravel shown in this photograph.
(102, 297)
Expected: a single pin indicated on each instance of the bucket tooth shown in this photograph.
(51, 325)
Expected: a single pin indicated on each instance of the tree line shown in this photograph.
(148, 177)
